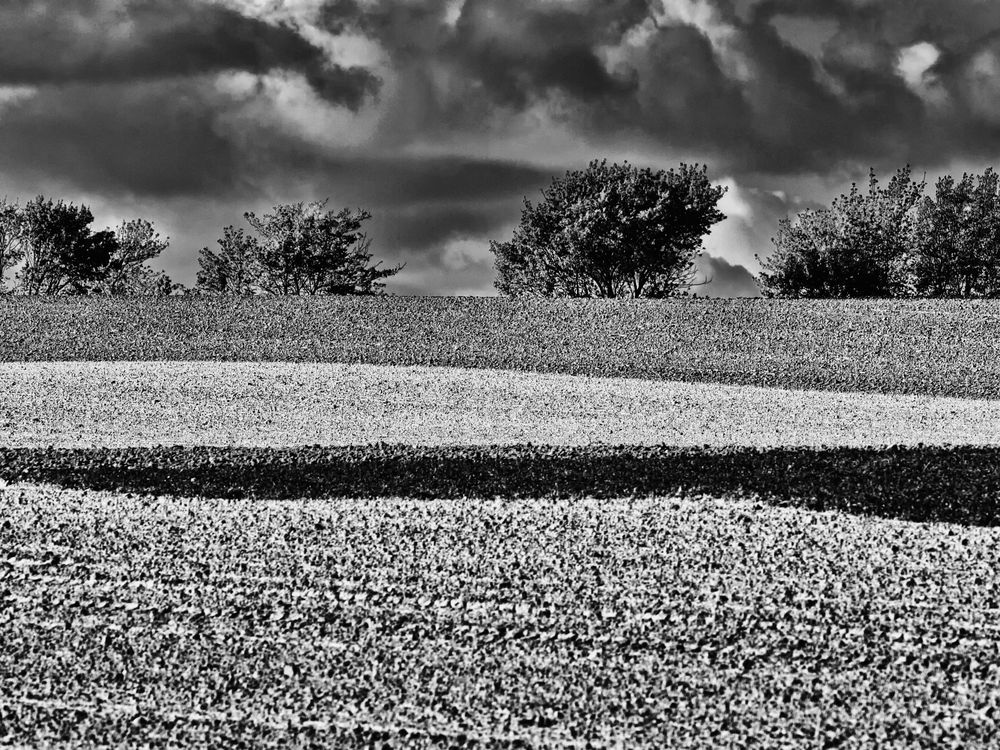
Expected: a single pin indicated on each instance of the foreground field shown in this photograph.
(270, 404)
(657, 622)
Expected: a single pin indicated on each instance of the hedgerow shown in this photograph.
(958, 484)
(923, 346)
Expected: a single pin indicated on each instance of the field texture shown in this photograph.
(269, 404)
(201, 543)
(944, 348)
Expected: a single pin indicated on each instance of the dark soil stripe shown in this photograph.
(954, 484)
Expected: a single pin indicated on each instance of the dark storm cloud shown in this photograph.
(428, 188)
(162, 138)
(429, 228)
(855, 106)
(683, 90)
(410, 180)
(520, 51)
(498, 56)
(734, 88)
(53, 42)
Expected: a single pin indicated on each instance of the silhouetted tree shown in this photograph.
(11, 238)
(300, 248)
(610, 231)
(231, 269)
(126, 273)
(62, 254)
(859, 247)
(957, 241)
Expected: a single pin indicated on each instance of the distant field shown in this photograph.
(204, 543)
(921, 347)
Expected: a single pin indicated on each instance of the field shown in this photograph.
(479, 523)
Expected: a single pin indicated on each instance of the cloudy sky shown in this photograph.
(439, 116)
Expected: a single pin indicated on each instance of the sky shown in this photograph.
(441, 116)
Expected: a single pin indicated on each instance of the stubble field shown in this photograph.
(649, 549)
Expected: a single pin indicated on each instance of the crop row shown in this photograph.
(958, 484)
(931, 347)
(489, 623)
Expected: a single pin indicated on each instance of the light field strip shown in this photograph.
(260, 404)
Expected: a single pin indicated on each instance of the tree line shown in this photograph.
(299, 248)
(609, 230)
(893, 241)
(61, 254)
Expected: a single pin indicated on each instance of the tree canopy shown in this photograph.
(956, 245)
(299, 248)
(126, 273)
(610, 231)
(859, 247)
(62, 255)
(893, 242)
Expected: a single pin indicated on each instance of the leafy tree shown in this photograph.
(62, 254)
(859, 247)
(11, 238)
(231, 270)
(300, 248)
(957, 241)
(610, 231)
(804, 262)
(126, 273)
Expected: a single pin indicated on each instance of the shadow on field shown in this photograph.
(958, 484)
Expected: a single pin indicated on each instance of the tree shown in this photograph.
(11, 238)
(610, 231)
(300, 248)
(61, 252)
(231, 270)
(957, 240)
(126, 273)
(859, 247)
(804, 262)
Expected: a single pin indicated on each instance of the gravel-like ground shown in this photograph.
(650, 623)
(132, 404)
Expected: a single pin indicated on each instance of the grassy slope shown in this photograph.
(930, 347)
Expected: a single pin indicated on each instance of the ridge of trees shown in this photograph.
(61, 254)
(297, 248)
(610, 231)
(892, 241)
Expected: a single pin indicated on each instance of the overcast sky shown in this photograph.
(439, 116)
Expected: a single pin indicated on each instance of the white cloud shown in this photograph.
(464, 252)
(10, 95)
(733, 204)
(289, 103)
(724, 36)
(453, 11)
(913, 62)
